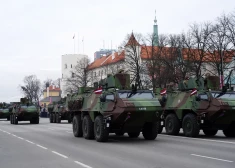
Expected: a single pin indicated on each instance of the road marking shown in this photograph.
(201, 139)
(81, 164)
(14, 135)
(212, 158)
(9, 133)
(69, 132)
(42, 147)
(20, 138)
(29, 141)
(59, 154)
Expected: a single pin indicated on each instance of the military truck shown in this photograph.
(24, 111)
(115, 107)
(194, 107)
(4, 111)
(58, 111)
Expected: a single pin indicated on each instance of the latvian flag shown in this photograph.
(193, 92)
(163, 91)
(98, 91)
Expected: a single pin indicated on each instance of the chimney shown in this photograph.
(113, 55)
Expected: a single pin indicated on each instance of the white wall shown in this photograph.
(68, 59)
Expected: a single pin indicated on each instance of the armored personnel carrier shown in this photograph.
(57, 112)
(4, 111)
(194, 107)
(115, 107)
(24, 111)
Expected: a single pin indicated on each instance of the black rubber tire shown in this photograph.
(133, 134)
(230, 131)
(50, 118)
(11, 121)
(210, 132)
(87, 127)
(172, 124)
(8, 118)
(119, 133)
(150, 130)
(100, 130)
(53, 118)
(190, 125)
(77, 126)
(36, 120)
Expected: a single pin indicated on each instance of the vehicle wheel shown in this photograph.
(150, 130)
(8, 118)
(51, 118)
(230, 131)
(77, 126)
(210, 132)
(16, 120)
(87, 127)
(190, 125)
(119, 133)
(172, 124)
(36, 120)
(11, 119)
(100, 130)
(59, 118)
(133, 134)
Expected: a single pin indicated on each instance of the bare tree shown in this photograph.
(133, 58)
(154, 59)
(221, 46)
(80, 76)
(31, 88)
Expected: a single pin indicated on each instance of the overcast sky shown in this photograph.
(35, 33)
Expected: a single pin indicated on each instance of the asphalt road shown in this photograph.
(49, 145)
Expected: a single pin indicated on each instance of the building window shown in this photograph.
(71, 66)
(65, 66)
(94, 73)
(99, 73)
(73, 75)
(102, 72)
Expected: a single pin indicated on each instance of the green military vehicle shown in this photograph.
(194, 107)
(115, 108)
(58, 111)
(24, 111)
(4, 111)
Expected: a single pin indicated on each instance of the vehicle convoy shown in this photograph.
(194, 107)
(24, 111)
(4, 111)
(58, 111)
(114, 108)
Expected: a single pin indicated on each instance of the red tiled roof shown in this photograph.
(107, 60)
(132, 41)
(51, 89)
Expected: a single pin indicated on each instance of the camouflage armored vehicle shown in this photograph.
(58, 111)
(24, 111)
(4, 111)
(116, 108)
(194, 106)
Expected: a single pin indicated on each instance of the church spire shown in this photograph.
(155, 31)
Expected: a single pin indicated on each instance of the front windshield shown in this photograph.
(224, 96)
(140, 95)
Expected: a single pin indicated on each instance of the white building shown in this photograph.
(68, 62)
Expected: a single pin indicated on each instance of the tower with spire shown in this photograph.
(155, 32)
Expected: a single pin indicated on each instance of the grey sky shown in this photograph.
(35, 33)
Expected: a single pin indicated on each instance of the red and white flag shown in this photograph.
(163, 91)
(98, 91)
(193, 92)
